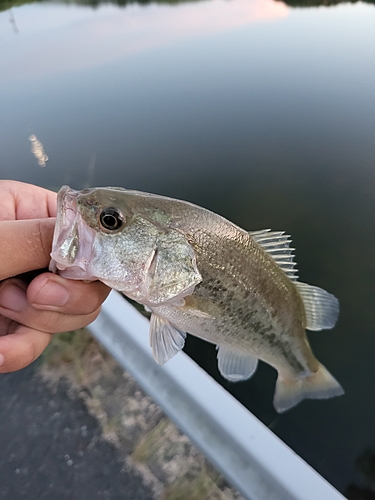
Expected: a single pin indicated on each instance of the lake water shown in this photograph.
(260, 111)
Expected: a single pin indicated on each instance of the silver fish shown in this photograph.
(199, 273)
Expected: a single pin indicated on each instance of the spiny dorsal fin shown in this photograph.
(276, 244)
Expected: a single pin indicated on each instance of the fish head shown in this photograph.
(110, 234)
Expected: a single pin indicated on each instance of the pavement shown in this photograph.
(76, 426)
(51, 448)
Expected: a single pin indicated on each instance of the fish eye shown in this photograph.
(111, 219)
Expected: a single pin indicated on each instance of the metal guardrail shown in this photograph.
(249, 455)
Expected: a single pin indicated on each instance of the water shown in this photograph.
(262, 112)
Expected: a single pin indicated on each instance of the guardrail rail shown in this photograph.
(249, 455)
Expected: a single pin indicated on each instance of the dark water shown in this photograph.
(258, 110)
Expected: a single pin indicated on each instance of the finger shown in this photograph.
(21, 348)
(14, 305)
(51, 292)
(25, 201)
(7, 325)
(25, 245)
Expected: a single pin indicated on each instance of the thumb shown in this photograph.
(25, 245)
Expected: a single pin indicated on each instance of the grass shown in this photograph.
(69, 348)
(201, 487)
(149, 444)
(66, 347)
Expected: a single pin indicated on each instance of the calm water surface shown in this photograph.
(262, 112)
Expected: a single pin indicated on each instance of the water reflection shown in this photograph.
(121, 33)
(12, 20)
(318, 3)
(123, 3)
(37, 150)
(8, 4)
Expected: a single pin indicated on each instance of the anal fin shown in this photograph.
(235, 365)
(165, 339)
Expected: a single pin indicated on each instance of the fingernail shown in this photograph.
(52, 294)
(2, 360)
(13, 297)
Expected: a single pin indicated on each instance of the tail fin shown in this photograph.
(319, 385)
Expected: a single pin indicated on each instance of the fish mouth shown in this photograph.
(73, 239)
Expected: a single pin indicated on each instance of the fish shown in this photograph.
(199, 273)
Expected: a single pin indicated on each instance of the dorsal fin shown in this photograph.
(321, 307)
(276, 244)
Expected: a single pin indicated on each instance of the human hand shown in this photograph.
(31, 313)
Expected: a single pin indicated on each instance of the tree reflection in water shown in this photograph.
(8, 4)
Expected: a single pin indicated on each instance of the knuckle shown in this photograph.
(30, 353)
(53, 321)
(44, 242)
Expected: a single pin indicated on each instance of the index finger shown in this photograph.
(25, 201)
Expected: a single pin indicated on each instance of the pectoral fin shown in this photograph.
(165, 339)
(234, 365)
